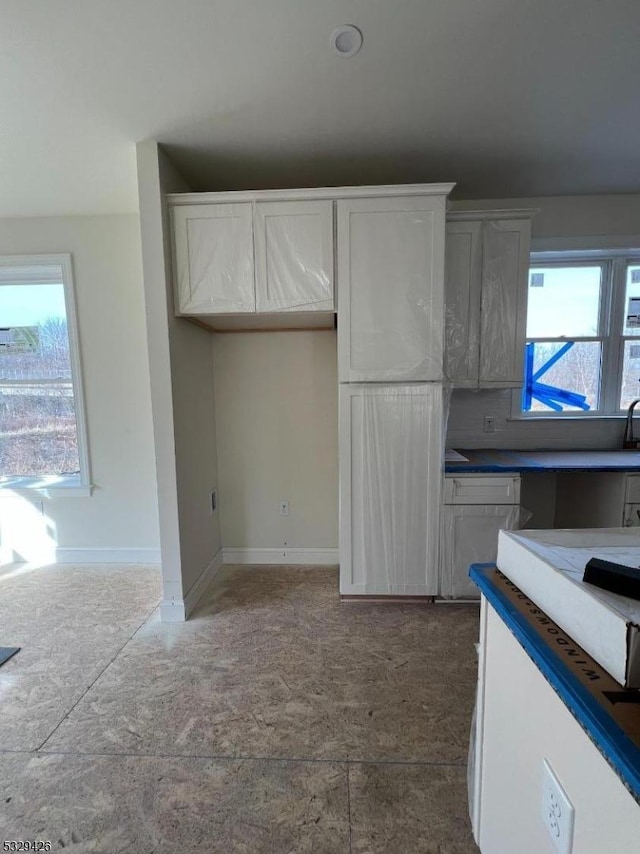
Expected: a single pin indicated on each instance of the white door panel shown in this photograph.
(391, 289)
(213, 258)
(390, 489)
(294, 256)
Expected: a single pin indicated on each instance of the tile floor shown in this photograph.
(278, 719)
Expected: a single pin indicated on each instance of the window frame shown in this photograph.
(56, 485)
(614, 263)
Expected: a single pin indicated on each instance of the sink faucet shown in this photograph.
(628, 441)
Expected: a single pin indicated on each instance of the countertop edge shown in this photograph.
(520, 461)
(478, 468)
(620, 752)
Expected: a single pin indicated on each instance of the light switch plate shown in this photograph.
(557, 811)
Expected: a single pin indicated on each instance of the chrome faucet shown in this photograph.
(628, 442)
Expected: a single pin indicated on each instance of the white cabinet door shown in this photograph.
(390, 489)
(470, 535)
(503, 313)
(213, 258)
(294, 256)
(463, 281)
(390, 289)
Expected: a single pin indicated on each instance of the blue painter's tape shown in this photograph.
(552, 360)
(550, 396)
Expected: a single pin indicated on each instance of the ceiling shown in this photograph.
(509, 99)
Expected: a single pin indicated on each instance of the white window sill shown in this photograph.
(47, 487)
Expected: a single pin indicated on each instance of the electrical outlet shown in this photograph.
(284, 508)
(213, 501)
(557, 811)
(489, 424)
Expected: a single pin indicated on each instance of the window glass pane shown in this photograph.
(563, 301)
(568, 380)
(38, 433)
(34, 342)
(630, 373)
(632, 301)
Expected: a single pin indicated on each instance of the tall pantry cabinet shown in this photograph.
(390, 270)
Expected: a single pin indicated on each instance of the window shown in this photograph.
(42, 424)
(582, 355)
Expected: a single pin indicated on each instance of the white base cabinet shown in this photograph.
(476, 508)
(470, 535)
(390, 489)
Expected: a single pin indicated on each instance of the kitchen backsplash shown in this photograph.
(467, 411)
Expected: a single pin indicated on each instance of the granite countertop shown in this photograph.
(494, 461)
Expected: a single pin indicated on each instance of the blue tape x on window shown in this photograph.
(553, 397)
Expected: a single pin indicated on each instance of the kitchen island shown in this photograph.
(544, 703)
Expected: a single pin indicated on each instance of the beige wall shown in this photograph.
(277, 438)
(122, 512)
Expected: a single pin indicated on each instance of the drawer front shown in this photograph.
(481, 490)
(632, 492)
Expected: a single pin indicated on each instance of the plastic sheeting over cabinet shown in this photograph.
(213, 248)
(254, 257)
(391, 289)
(294, 256)
(470, 535)
(486, 297)
(390, 488)
(503, 316)
(463, 283)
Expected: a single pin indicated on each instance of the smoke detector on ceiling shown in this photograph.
(346, 41)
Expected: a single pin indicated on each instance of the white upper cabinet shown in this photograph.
(503, 312)
(265, 259)
(294, 256)
(486, 297)
(390, 288)
(213, 249)
(390, 444)
(463, 278)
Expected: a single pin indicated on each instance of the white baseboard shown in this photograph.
(106, 555)
(178, 610)
(282, 557)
